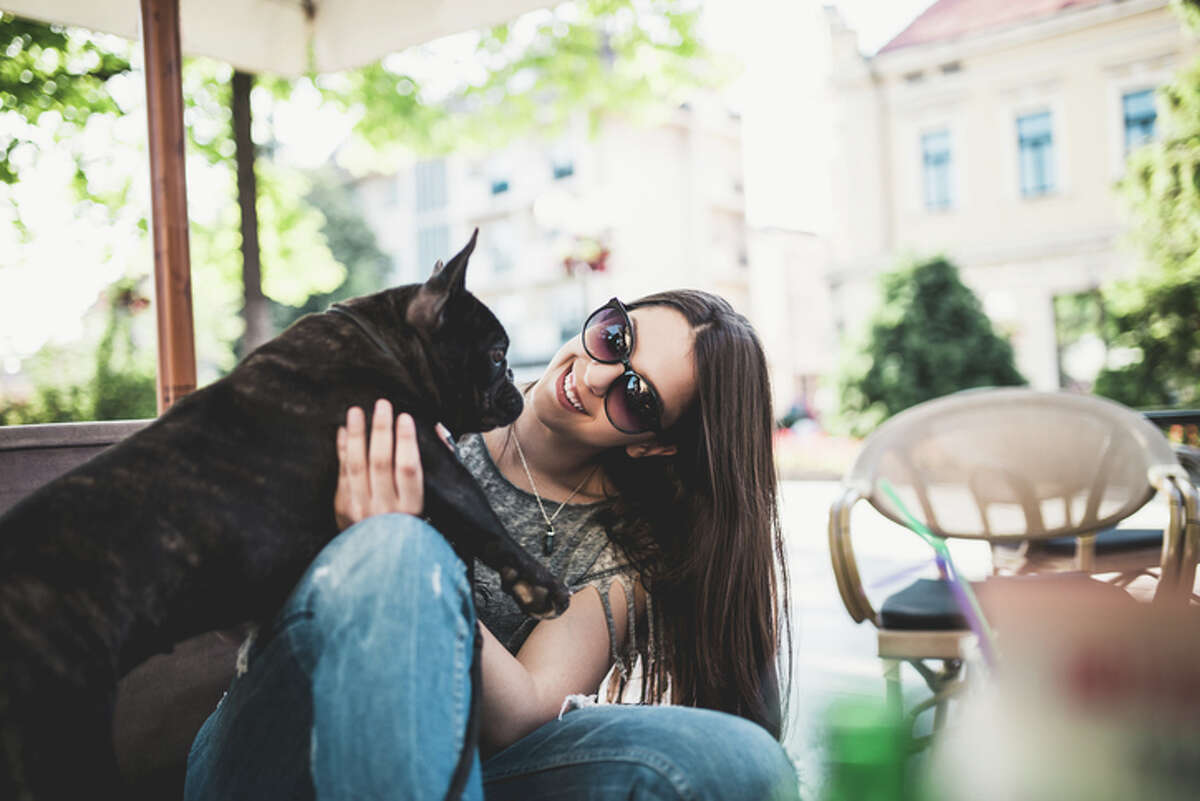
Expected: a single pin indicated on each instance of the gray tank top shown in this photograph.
(582, 555)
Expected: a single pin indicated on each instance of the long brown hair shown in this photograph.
(702, 528)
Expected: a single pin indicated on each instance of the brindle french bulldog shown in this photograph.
(208, 517)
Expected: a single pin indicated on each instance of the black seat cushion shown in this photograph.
(924, 605)
(1108, 541)
(929, 605)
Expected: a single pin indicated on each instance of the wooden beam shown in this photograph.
(168, 193)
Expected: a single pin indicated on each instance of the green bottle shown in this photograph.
(868, 748)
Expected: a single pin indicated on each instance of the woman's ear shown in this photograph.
(650, 447)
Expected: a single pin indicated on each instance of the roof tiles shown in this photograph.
(951, 19)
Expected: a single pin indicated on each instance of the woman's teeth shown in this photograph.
(569, 391)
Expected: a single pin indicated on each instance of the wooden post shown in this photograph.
(168, 193)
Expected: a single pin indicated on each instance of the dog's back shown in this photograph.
(197, 522)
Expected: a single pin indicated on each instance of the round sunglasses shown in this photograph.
(631, 403)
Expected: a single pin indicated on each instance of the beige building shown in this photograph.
(792, 311)
(664, 199)
(993, 131)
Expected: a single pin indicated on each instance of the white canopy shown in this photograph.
(278, 36)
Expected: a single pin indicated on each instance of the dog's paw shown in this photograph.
(535, 590)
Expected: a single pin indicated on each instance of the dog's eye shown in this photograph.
(497, 356)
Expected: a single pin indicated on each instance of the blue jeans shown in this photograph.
(361, 690)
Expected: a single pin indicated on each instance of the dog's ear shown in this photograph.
(425, 310)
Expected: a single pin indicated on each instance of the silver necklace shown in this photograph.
(548, 540)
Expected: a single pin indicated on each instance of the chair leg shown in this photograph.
(944, 684)
(946, 688)
(891, 678)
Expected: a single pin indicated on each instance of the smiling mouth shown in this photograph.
(570, 393)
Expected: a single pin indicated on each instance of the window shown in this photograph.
(499, 186)
(433, 243)
(563, 169)
(503, 245)
(1035, 141)
(1140, 116)
(936, 164)
(431, 184)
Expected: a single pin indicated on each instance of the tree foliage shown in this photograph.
(352, 243)
(114, 382)
(535, 73)
(528, 77)
(1152, 329)
(49, 77)
(929, 337)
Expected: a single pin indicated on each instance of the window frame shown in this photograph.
(947, 169)
(1154, 127)
(1050, 184)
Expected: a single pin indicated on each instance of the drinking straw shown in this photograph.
(964, 596)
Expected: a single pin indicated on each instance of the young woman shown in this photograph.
(641, 472)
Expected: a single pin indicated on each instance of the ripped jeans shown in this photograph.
(361, 689)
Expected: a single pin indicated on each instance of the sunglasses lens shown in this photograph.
(631, 406)
(605, 335)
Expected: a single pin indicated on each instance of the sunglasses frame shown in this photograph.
(614, 303)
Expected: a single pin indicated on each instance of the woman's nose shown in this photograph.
(597, 376)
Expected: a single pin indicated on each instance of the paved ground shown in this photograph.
(833, 656)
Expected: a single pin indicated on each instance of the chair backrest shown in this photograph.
(1013, 464)
(31, 456)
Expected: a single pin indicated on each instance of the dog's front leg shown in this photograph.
(457, 507)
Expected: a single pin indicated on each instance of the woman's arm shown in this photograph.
(561, 657)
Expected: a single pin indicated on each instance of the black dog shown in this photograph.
(207, 517)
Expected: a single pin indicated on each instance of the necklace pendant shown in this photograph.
(548, 542)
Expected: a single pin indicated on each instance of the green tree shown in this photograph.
(587, 57)
(352, 243)
(58, 83)
(929, 337)
(115, 381)
(50, 78)
(123, 385)
(1153, 333)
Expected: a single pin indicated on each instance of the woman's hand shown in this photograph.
(373, 477)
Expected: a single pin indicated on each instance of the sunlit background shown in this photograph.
(783, 154)
(906, 197)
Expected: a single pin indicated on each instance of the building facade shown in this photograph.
(994, 132)
(652, 206)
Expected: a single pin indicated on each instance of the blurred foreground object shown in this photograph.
(1096, 701)
(1006, 466)
(868, 752)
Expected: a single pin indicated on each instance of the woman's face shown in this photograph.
(662, 355)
